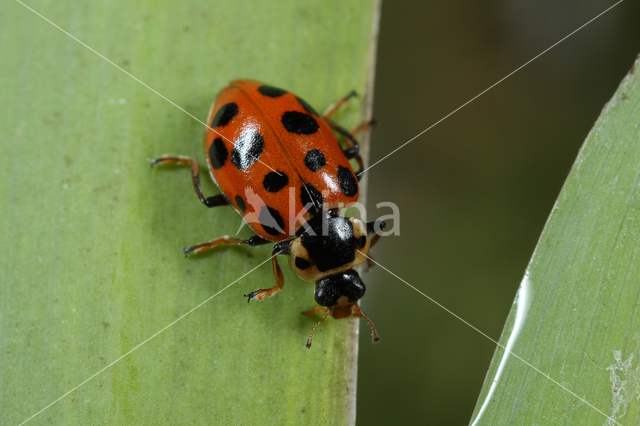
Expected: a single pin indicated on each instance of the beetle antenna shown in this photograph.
(374, 332)
(308, 345)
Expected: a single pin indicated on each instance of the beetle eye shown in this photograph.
(362, 241)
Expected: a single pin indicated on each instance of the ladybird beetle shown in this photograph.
(280, 165)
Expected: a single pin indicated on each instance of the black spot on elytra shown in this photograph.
(271, 221)
(247, 149)
(306, 106)
(314, 160)
(272, 92)
(310, 195)
(347, 181)
(225, 114)
(299, 122)
(218, 153)
(241, 204)
(275, 181)
(362, 241)
(302, 263)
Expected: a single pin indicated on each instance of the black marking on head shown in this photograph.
(271, 221)
(247, 150)
(275, 181)
(218, 153)
(300, 123)
(225, 114)
(241, 204)
(335, 248)
(306, 106)
(310, 195)
(347, 181)
(272, 92)
(314, 160)
(302, 263)
(347, 283)
(362, 241)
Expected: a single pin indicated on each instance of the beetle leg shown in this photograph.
(281, 248)
(353, 148)
(324, 317)
(214, 201)
(331, 109)
(314, 311)
(373, 228)
(357, 312)
(363, 127)
(224, 240)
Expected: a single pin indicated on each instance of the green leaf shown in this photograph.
(92, 236)
(576, 317)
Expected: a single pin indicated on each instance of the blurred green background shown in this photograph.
(475, 191)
